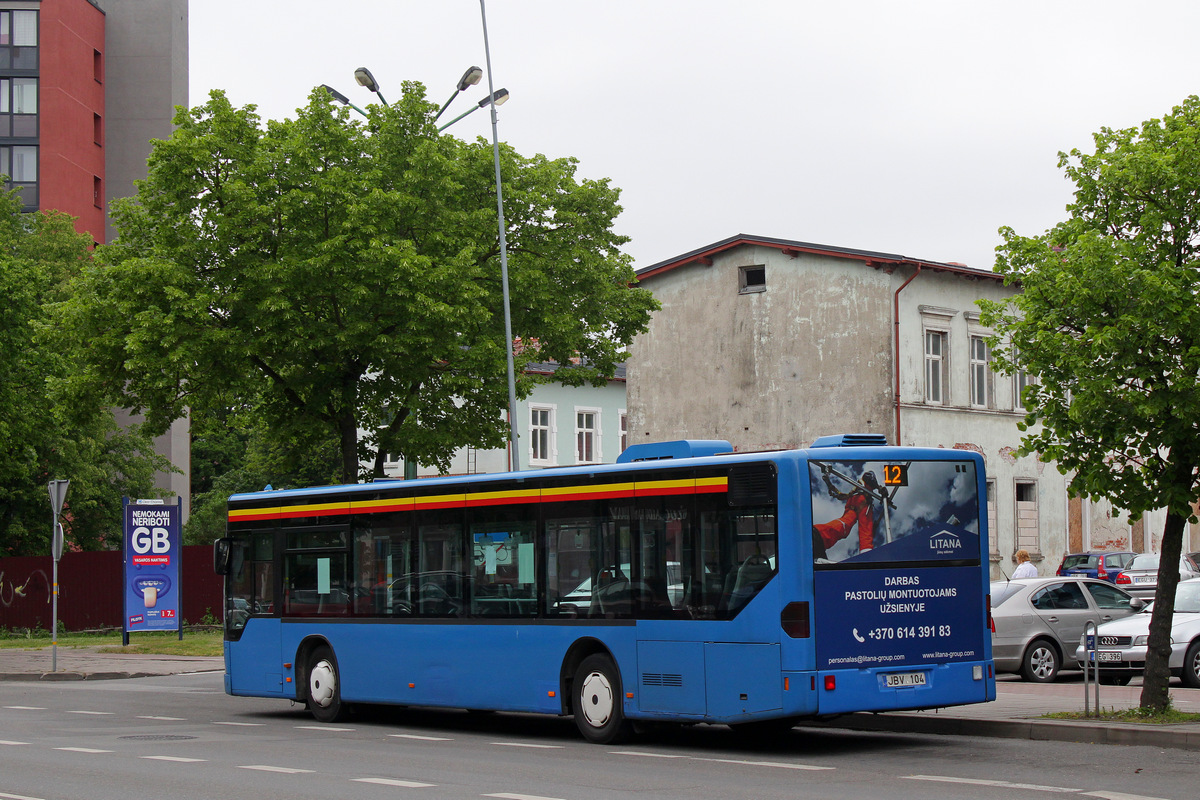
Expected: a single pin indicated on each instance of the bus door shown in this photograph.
(252, 630)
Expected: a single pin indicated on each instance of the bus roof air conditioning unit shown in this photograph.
(852, 440)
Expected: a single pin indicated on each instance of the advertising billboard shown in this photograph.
(153, 551)
(897, 552)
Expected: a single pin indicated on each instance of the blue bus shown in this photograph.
(685, 583)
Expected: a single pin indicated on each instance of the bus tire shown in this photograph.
(1191, 666)
(323, 696)
(599, 701)
(1041, 662)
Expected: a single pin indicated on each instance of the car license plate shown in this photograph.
(898, 679)
(1144, 578)
(1108, 656)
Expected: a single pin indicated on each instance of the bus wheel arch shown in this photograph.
(318, 680)
(578, 651)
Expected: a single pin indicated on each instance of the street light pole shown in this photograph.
(515, 453)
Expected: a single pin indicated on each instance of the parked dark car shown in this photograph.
(1100, 565)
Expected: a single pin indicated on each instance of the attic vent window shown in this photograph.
(752, 279)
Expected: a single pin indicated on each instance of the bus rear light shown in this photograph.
(830, 683)
(794, 619)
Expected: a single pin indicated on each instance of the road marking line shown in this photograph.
(180, 759)
(981, 782)
(776, 764)
(645, 755)
(508, 796)
(394, 782)
(82, 750)
(526, 744)
(25, 708)
(1120, 796)
(94, 713)
(17, 797)
(5, 741)
(265, 768)
(420, 738)
(323, 728)
(243, 724)
(166, 719)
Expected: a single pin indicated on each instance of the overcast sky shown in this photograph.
(914, 128)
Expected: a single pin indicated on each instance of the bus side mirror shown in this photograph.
(222, 555)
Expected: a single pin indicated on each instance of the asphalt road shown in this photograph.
(181, 737)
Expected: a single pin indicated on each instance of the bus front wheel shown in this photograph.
(324, 698)
(599, 704)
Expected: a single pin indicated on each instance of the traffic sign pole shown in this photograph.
(58, 494)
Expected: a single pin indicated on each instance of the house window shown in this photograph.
(541, 435)
(97, 192)
(1028, 537)
(1021, 379)
(935, 366)
(981, 373)
(993, 538)
(97, 66)
(19, 107)
(20, 164)
(97, 129)
(18, 39)
(624, 430)
(752, 279)
(587, 436)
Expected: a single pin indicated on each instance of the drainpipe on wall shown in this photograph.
(896, 345)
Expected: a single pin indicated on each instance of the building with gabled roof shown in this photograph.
(769, 343)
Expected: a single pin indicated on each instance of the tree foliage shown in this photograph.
(42, 435)
(1108, 320)
(343, 275)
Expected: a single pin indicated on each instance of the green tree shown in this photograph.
(344, 273)
(41, 437)
(1108, 319)
(233, 451)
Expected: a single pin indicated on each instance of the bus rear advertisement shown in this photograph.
(685, 583)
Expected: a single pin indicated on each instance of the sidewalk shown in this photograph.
(85, 663)
(1015, 714)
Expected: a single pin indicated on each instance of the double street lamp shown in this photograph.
(495, 98)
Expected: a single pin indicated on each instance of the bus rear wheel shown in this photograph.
(324, 695)
(599, 713)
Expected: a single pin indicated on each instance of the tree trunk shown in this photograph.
(348, 430)
(1155, 696)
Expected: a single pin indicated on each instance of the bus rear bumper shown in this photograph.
(899, 689)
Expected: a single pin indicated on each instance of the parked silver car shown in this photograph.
(1140, 576)
(1121, 653)
(1037, 622)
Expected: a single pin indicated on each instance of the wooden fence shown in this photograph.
(89, 594)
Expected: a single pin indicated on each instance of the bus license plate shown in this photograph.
(898, 679)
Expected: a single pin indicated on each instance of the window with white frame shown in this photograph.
(935, 366)
(1021, 379)
(541, 436)
(1028, 525)
(993, 537)
(624, 417)
(587, 435)
(981, 373)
